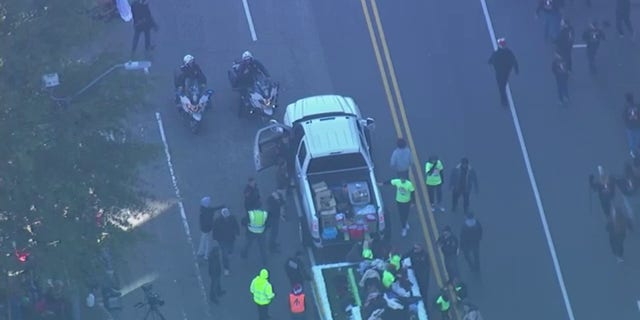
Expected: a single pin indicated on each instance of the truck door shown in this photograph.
(269, 146)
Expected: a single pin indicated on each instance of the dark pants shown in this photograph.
(617, 243)
(502, 78)
(435, 193)
(623, 19)
(465, 199)
(472, 255)
(451, 265)
(263, 312)
(563, 87)
(216, 289)
(298, 316)
(403, 212)
(273, 234)
(591, 57)
(136, 37)
(255, 237)
(226, 248)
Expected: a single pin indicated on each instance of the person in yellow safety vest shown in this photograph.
(394, 261)
(297, 304)
(444, 304)
(387, 277)
(256, 221)
(404, 200)
(262, 293)
(433, 177)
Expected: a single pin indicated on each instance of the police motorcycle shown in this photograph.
(261, 99)
(193, 102)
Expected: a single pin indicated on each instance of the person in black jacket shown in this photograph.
(251, 195)
(275, 206)
(248, 69)
(470, 236)
(623, 17)
(215, 272)
(565, 41)
(560, 71)
(206, 225)
(503, 61)
(143, 22)
(592, 37)
(605, 186)
(295, 269)
(632, 123)
(421, 267)
(463, 180)
(225, 231)
(449, 246)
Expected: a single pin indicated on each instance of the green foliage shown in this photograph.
(59, 166)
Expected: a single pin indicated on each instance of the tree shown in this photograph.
(68, 175)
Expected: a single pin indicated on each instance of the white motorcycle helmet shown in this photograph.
(188, 59)
(247, 56)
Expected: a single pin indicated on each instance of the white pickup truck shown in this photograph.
(328, 153)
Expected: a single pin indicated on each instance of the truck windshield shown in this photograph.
(337, 162)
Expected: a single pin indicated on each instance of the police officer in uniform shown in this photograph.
(262, 293)
(592, 37)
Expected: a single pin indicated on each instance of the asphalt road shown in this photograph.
(439, 52)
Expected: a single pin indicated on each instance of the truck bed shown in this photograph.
(335, 182)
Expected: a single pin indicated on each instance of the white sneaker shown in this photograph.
(441, 208)
(404, 232)
(226, 272)
(406, 226)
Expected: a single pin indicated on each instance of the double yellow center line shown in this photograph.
(396, 106)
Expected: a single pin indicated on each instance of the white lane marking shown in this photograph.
(580, 45)
(247, 14)
(183, 216)
(532, 179)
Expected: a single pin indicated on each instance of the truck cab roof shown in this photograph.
(310, 107)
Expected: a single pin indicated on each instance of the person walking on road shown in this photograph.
(628, 187)
(433, 178)
(275, 206)
(623, 17)
(503, 61)
(617, 226)
(605, 186)
(449, 246)
(143, 22)
(443, 303)
(404, 199)
(593, 36)
(463, 180)
(225, 231)
(560, 71)
(256, 222)
(420, 264)
(295, 270)
(470, 236)
(297, 303)
(262, 293)
(565, 41)
(401, 158)
(215, 272)
(251, 195)
(206, 225)
(550, 10)
(632, 123)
